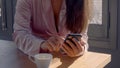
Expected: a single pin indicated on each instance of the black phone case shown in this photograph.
(74, 36)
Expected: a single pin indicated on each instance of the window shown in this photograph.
(102, 29)
(97, 12)
(99, 23)
(6, 19)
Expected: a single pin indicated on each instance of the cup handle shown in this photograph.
(32, 59)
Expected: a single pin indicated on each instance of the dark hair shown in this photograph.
(75, 14)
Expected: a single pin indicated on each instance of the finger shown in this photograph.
(68, 49)
(56, 41)
(59, 40)
(57, 44)
(79, 38)
(77, 44)
(64, 49)
(82, 42)
(74, 48)
(50, 46)
(70, 37)
(58, 48)
(53, 41)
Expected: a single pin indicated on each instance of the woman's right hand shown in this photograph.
(53, 44)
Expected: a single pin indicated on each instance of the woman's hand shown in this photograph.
(53, 44)
(75, 48)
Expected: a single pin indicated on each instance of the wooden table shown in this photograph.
(11, 57)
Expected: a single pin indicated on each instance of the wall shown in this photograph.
(118, 29)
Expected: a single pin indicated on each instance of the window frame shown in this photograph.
(7, 20)
(110, 41)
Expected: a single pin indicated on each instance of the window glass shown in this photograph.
(97, 12)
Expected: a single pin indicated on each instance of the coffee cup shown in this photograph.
(42, 60)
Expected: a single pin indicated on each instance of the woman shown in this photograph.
(42, 25)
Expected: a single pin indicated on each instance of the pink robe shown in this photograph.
(34, 23)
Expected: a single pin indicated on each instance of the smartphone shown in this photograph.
(76, 36)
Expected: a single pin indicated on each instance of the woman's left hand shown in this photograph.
(74, 49)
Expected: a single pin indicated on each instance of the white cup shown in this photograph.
(42, 60)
